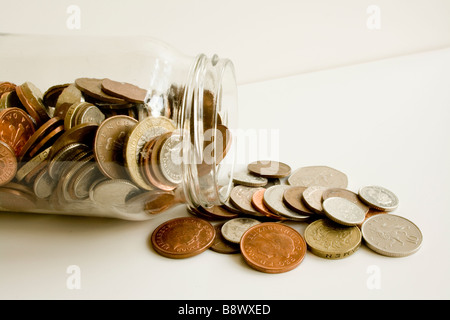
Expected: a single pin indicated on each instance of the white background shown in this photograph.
(383, 122)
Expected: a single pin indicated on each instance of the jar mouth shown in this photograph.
(209, 117)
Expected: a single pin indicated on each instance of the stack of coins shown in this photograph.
(90, 146)
(267, 196)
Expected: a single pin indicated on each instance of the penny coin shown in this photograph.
(8, 163)
(37, 136)
(293, 199)
(248, 179)
(372, 212)
(143, 132)
(151, 202)
(16, 128)
(109, 145)
(10, 100)
(343, 211)
(218, 212)
(312, 197)
(269, 169)
(221, 245)
(273, 247)
(183, 237)
(273, 199)
(6, 87)
(346, 194)
(16, 200)
(46, 141)
(379, 198)
(83, 133)
(391, 235)
(258, 204)
(241, 198)
(31, 98)
(123, 90)
(114, 192)
(170, 159)
(318, 176)
(330, 240)
(93, 88)
(233, 229)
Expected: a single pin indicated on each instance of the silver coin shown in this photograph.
(233, 229)
(379, 198)
(318, 176)
(241, 198)
(273, 199)
(114, 192)
(170, 159)
(248, 179)
(92, 114)
(84, 179)
(44, 185)
(343, 211)
(391, 235)
(312, 196)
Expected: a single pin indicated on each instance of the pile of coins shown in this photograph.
(91, 147)
(260, 205)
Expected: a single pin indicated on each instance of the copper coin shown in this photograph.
(93, 88)
(258, 204)
(15, 128)
(10, 100)
(269, 169)
(31, 98)
(16, 200)
(273, 247)
(152, 202)
(47, 140)
(144, 165)
(372, 212)
(123, 90)
(109, 145)
(83, 133)
(221, 245)
(292, 197)
(39, 134)
(183, 237)
(218, 212)
(346, 194)
(8, 163)
(6, 87)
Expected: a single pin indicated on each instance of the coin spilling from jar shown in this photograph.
(268, 196)
(92, 146)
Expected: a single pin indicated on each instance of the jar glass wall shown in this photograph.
(112, 126)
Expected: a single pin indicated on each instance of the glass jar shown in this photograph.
(113, 126)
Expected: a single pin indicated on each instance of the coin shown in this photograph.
(170, 159)
(318, 176)
(273, 199)
(69, 95)
(143, 132)
(64, 156)
(44, 185)
(15, 128)
(221, 245)
(258, 204)
(123, 90)
(233, 229)
(183, 237)
(248, 179)
(16, 200)
(330, 240)
(26, 168)
(343, 211)
(51, 95)
(93, 88)
(37, 136)
(269, 169)
(83, 179)
(83, 133)
(114, 192)
(241, 198)
(292, 197)
(109, 144)
(155, 162)
(10, 100)
(312, 197)
(31, 98)
(8, 163)
(90, 114)
(391, 235)
(151, 202)
(218, 212)
(273, 247)
(379, 198)
(6, 87)
(346, 194)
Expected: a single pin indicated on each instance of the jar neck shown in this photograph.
(209, 113)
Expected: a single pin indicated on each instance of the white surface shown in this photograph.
(381, 123)
(265, 39)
